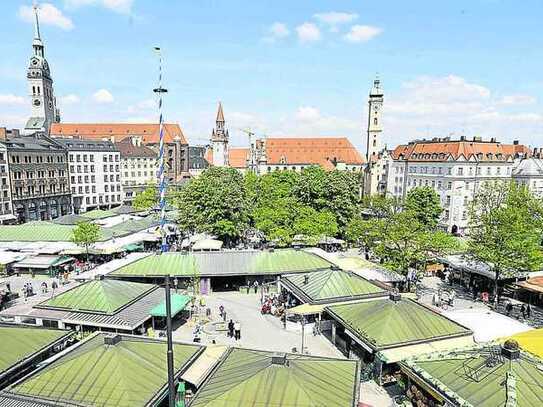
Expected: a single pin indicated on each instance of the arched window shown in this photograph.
(33, 90)
(375, 121)
(38, 90)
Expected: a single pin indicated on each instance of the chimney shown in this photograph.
(510, 349)
(396, 297)
(515, 142)
(112, 340)
(279, 359)
(306, 279)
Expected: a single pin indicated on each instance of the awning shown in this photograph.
(79, 250)
(207, 244)
(205, 363)
(42, 262)
(532, 284)
(10, 257)
(132, 247)
(396, 354)
(178, 302)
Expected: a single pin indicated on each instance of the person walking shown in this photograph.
(523, 311)
(221, 310)
(231, 329)
(255, 285)
(528, 311)
(237, 330)
(508, 308)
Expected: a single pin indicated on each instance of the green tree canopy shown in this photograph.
(424, 202)
(146, 199)
(215, 202)
(85, 234)
(506, 225)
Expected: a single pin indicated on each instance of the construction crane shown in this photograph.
(252, 161)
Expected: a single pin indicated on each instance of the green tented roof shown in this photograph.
(178, 304)
(129, 373)
(98, 214)
(465, 377)
(331, 285)
(17, 344)
(225, 263)
(248, 378)
(99, 296)
(385, 323)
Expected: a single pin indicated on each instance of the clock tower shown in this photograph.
(375, 127)
(40, 87)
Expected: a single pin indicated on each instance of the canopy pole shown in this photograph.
(171, 385)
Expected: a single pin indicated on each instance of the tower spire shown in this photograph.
(220, 114)
(36, 22)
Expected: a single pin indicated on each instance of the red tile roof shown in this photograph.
(128, 149)
(454, 149)
(321, 151)
(118, 131)
(237, 157)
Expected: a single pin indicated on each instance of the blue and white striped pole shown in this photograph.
(161, 173)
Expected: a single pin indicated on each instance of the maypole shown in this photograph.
(161, 181)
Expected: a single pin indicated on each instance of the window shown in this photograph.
(80, 189)
(94, 189)
(460, 171)
(87, 200)
(78, 158)
(73, 179)
(86, 179)
(106, 188)
(449, 185)
(79, 179)
(488, 171)
(84, 157)
(105, 168)
(105, 178)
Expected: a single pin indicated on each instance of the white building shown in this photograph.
(454, 169)
(530, 172)
(94, 168)
(139, 165)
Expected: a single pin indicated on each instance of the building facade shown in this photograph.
(175, 144)
(38, 173)
(529, 172)
(40, 87)
(95, 174)
(454, 169)
(139, 166)
(197, 161)
(6, 204)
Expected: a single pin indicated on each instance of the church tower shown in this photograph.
(375, 127)
(219, 140)
(40, 86)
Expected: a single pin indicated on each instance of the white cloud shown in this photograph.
(308, 32)
(307, 113)
(49, 15)
(518, 99)
(10, 99)
(308, 121)
(142, 107)
(118, 6)
(103, 96)
(440, 106)
(279, 30)
(70, 99)
(362, 33)
(335, 18)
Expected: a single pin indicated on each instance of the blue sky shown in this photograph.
(298, 68)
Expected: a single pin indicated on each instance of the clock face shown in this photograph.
(37, 102)
(34, 61)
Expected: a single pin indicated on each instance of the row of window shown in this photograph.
(38, 174)
(459, 171)
(38, 159)
(103, 199)
(90, 158)
(92, 189)
(31, 190)
(144, 174)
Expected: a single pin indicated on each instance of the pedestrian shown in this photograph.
(231, 329)
(221, 310)
(523, 311)
(8, 287)
(224, 316)
(255, 285)
(528, 311)
(508, 308)
(237, 330)
(451, 298)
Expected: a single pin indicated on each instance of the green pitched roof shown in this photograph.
(129, 373)
(17, 344)
(98, 214)
(178, 304)
(102, 296)
(248, 378)
(385, 323)
(36, 232)
(331, 284)
(225, 263)
(465, 378)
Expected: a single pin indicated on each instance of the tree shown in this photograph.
(506, 225)
(424, 202)
(146, 199)
(85, 234)
(215, 202)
